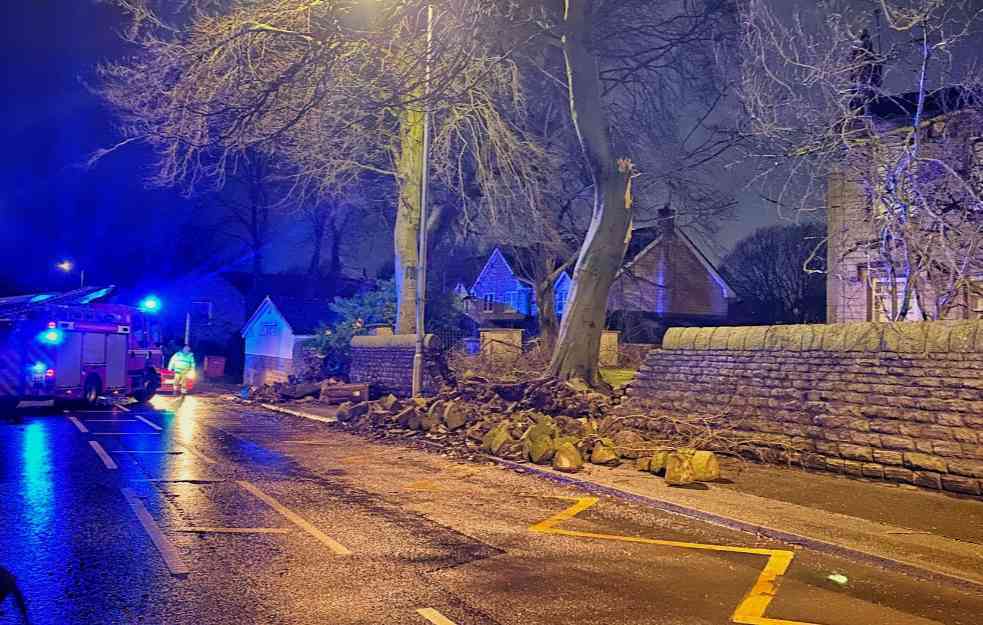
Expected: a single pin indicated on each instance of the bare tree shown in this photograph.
(867, 109)
(332, 89)
(619, 58)
(767, 271)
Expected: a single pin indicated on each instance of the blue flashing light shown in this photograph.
(41, 297)
(39, 368)
(150, 304)
(91, 297)
(52, 336)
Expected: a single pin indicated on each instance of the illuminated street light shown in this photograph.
(150, 304)
(67, 266)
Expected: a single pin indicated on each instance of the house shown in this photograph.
(500, 297)
(859, 284)
(666, 280)
(275, 335)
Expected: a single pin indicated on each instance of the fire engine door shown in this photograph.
(116, 360)
(68, 362)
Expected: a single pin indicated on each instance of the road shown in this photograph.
(196, 511)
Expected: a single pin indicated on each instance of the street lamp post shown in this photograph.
(67, 266)
(421, 270)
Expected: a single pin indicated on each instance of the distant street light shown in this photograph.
(67, 266)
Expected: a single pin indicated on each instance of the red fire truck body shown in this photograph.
(71, 350)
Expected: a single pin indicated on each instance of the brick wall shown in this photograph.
(900, 402)
(385, 363)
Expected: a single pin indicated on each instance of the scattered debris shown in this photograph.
(838, 578)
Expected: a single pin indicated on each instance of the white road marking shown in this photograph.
(123, 408)
(105, 457)
(121, 433)
(146, 451)
(171, 557)
(78, 424)
(234, 530)
(150, 423)
(190, 480)
(434, 616)
(111, 420)
(296, 519)
(197, 454)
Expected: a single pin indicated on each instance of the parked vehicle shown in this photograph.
(73, 347)
(168, 382)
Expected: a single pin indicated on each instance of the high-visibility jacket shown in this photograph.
(181, 362)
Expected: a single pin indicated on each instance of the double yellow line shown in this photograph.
(752, 608)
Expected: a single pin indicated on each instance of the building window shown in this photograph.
(488, 303)
(886, 302)
(269, 329)
(201, 310)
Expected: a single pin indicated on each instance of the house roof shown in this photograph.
(647, 240)
(302, 315)
(904, 105)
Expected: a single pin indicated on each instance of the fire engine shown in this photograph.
(76, 347)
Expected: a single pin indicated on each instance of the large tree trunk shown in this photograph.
(407, 231)
(577, 348)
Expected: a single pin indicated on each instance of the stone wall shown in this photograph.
(901, 402)
(385, 363)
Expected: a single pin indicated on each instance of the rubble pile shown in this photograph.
(545, 422)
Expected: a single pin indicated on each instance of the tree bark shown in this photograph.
(317, 232)
(406, 234)
(576, 353)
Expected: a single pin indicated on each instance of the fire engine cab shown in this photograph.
(74, 346)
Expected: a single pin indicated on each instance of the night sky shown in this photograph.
(104, 218)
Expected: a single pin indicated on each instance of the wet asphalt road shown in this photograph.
(272, 519)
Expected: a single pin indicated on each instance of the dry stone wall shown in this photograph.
(900, 402)
(385, 363)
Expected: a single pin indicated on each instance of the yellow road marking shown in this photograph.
(105, 457)
(427, 485)
(296, 519)
(233, 530)
(434, 616)
(78, 424)
(150, 423)
(752, 608)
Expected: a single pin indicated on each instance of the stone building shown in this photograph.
(859, 282)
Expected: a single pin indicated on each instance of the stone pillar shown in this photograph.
(501, 343)
(608, 355)
(380, 329)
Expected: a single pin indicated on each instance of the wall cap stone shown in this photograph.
(908, 337)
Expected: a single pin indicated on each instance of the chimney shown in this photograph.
(667, 221)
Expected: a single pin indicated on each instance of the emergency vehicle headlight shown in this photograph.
(50, 373)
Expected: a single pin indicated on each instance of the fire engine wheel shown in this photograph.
(91, 390)
(149, 388)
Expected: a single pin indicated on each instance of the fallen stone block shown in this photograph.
(604, 455)
(706, 467)
(679, 470)
(567, 458)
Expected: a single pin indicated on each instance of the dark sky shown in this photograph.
(104, 218)
(51, 205)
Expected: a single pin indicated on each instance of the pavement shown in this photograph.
(198, 510)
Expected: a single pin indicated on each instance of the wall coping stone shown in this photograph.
(910, 337)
